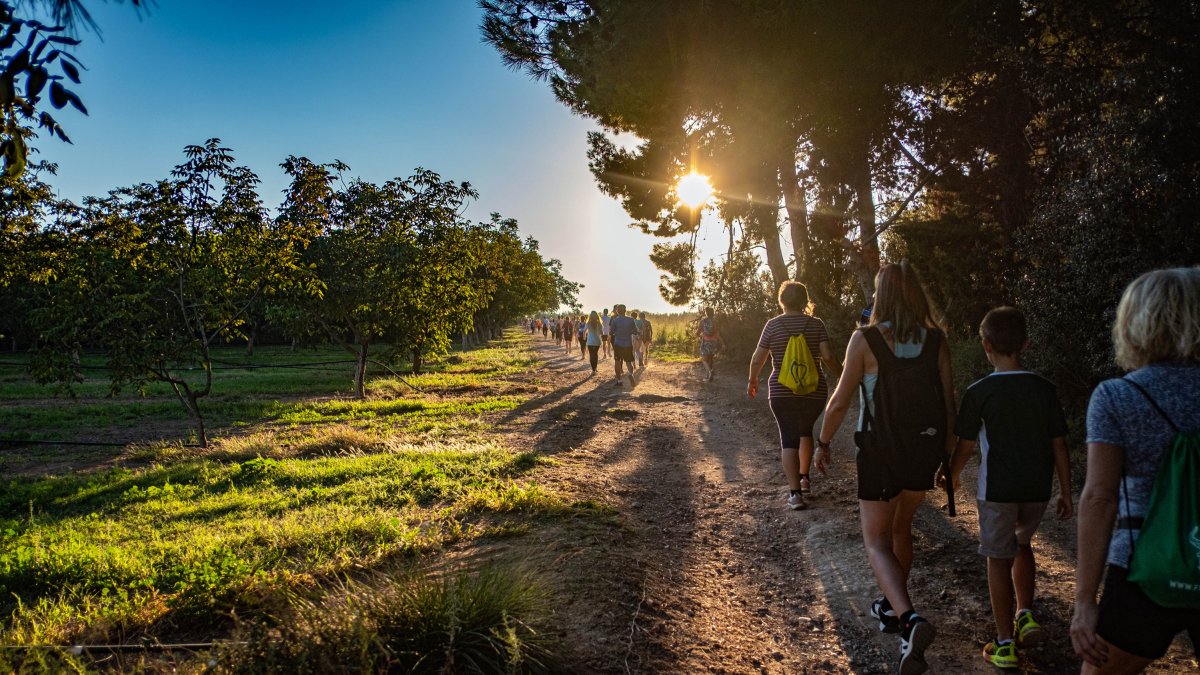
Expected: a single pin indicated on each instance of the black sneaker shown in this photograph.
(915, 637)
(882, 612)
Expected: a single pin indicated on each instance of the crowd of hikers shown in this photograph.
(625, 336)
(1138, 529)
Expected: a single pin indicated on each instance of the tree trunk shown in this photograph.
(416, 361)
(797, 210)
(360, 370)
(867, 251)
(293, 345)
(768, 226)
(250, 339)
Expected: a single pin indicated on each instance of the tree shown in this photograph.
(750, 93)
(28, 52)
(157, 274)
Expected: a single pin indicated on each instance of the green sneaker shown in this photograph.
(1028, 631)
(1001, 654)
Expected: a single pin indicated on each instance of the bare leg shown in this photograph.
(1023, 572)
(1000, 588)
(887, 536)
(791, 466)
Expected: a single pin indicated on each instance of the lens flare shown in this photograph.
(694, 190)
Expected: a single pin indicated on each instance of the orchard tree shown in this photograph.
(157, 274)
(390, 262)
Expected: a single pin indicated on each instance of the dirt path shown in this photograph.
(706, 571)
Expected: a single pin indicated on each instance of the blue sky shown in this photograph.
(383, 86)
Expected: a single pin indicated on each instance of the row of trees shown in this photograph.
(155, 275)
(1038, 152)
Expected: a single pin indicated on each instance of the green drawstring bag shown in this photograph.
(798, 371)
(1166, 557)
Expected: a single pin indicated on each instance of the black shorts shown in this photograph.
(1135, 623)
(604, 338)
(623, 354)
(882, 477)
(795, 417)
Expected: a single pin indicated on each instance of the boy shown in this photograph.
(1019, 423)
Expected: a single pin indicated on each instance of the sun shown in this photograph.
(694, 190)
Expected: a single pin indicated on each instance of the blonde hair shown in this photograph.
(1158, 319)
(594, 319)
(900, 298)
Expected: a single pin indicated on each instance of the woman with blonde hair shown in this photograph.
(894, 472)
(795, 414)
(595, 337)
(1131, 422)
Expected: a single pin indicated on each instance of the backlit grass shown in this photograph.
(126, 549)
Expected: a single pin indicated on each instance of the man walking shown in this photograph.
(622, 331)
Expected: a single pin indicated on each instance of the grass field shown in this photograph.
(305, 500)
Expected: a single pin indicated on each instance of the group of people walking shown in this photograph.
(910, 436)
(624, 335)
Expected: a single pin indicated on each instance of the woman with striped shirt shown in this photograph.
(795, 415)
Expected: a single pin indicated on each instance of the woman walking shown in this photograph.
(891, 487)
(1131, 423)
(710, 341)
(795, 414)
(594, 334)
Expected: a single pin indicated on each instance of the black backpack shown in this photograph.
(909, 422)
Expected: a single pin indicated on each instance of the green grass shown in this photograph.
(130, 548)
(311, 516)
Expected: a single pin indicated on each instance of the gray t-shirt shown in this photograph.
(1120, 415)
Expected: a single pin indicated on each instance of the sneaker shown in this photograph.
(805, 487)
(1001, 654)
(915, 637)
(1028, 631)
(710, 376)
(882, 612)
(796, 501)
(632, 382)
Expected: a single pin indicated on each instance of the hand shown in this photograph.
(822, 460)
(752, 388)
(1065, 509)
(1089, 646)
(940, 481)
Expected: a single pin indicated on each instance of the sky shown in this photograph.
(384, 86)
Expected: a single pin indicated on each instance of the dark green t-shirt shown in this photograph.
(1015, 416)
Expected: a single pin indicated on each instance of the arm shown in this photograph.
(832, 367)
(963, 451)
(1097, 511)
(757, 361)
(839, 402)
(1062, 468)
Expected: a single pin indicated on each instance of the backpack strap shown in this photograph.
(1131, 523)
(1153, 404)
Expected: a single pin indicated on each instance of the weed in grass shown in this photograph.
(489, 621)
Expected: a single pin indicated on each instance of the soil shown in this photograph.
(704, 569)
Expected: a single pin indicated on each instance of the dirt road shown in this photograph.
(705, 570)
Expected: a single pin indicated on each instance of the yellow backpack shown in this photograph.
(798, 371)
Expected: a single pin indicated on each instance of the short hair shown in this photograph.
(1004, 328)
(793, 296)
(1158, 319)
(708, 311)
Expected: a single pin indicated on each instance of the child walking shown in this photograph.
(1019, 424)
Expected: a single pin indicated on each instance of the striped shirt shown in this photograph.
(775, 337)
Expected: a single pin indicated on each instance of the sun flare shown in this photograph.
(694, 190)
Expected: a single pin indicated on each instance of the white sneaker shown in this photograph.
(915, 638)
(795, 501)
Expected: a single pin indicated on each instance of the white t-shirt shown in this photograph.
(604, 323)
